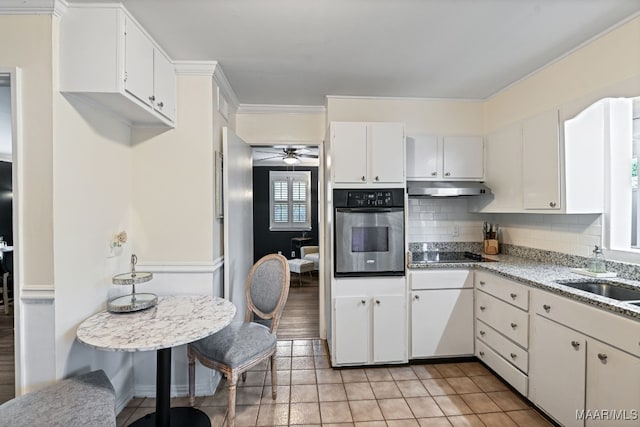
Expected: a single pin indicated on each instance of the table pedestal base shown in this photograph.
(187, 417)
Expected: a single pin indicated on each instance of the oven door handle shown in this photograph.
(369, 210)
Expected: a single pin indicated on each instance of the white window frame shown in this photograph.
(290, 177)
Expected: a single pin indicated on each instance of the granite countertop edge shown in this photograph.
(545, 276)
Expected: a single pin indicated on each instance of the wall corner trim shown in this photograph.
(225, 87)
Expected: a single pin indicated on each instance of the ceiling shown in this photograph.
(294, 52)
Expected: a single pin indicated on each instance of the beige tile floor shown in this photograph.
(310, 393)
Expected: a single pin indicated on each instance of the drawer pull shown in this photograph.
(602, 357)
(575, 344)
(513, 295)
(378, 302)
(482, 353)
(514, 325)
(482, 283)
(363, 302)
(513, 355)
(482, 333)
(546, 307)
(416, 297)
(483, 308)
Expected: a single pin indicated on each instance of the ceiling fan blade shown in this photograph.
(268, 152)
(268, 158)
(308, 156)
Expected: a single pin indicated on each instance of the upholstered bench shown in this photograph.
(84, 400)
(300, 266)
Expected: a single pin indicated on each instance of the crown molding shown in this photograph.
(404, 98)
(195, 68)
(34, 7)
(280, 109)
(225, 87)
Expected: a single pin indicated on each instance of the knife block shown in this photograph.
(491, 247)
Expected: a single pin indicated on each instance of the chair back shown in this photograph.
(267, 289)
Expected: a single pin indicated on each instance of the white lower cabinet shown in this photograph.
(575, 376)
(369, 321)
(441, 313)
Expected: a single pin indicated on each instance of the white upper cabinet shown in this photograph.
(541, 161)
(546, 165)
(369, 154)
(430, 157)
(107, 56)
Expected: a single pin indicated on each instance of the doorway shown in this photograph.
(286, 220)
(8, 315)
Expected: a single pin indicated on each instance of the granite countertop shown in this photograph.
(545, 276)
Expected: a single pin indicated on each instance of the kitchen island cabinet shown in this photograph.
(369, 321)
(367, 154)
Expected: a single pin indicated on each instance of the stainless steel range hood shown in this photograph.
(446, 188)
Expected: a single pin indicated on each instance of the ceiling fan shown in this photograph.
(289, 155)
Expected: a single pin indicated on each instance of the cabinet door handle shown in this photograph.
(513, 355)
(416, 297)
(363, 179)
(546, 307)
(552, 204)
(434, 173)
(513, 295)
(152, 98)
(447, 174)
(481, 354)
(377, 178)
(160, 104)
(482, 333)
(483, 308)
(602, 357)
(575, 344)
(482, 283)
(363, 302)
(377, 302)
(514, 325)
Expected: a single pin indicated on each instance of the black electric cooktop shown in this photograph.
(440, 256)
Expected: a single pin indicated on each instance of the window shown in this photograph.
(290, 201)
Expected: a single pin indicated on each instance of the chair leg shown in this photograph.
(274, 378)
(192, 378)
(231, 411)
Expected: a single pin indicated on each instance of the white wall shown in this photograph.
(281, 128)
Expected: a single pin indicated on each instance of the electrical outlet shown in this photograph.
(279, 252)
(293, 254)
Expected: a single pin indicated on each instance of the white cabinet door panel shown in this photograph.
(352, 329)
(541, 161)
(613, 382)
(422, 157)
(504, 168)
(164, 81)
(389, 336)
(442, 322)
(463, 157)
(386, 149)
(557, 370)
(349, 152)
(138, 63)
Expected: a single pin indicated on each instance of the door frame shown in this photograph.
(15, 82)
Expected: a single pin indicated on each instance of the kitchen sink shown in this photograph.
(606, 289)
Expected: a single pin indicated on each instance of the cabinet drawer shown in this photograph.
(506, 319)
(609, 327)
(507, 371)
(504, 289)
(504, 347)
(441, 279)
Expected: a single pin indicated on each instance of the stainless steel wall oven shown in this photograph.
(369, 232)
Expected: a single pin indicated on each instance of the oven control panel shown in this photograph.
(393, 197)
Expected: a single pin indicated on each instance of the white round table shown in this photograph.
(176, 320)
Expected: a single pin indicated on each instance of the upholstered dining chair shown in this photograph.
(240, 346)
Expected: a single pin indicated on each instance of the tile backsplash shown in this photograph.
(449, 220)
